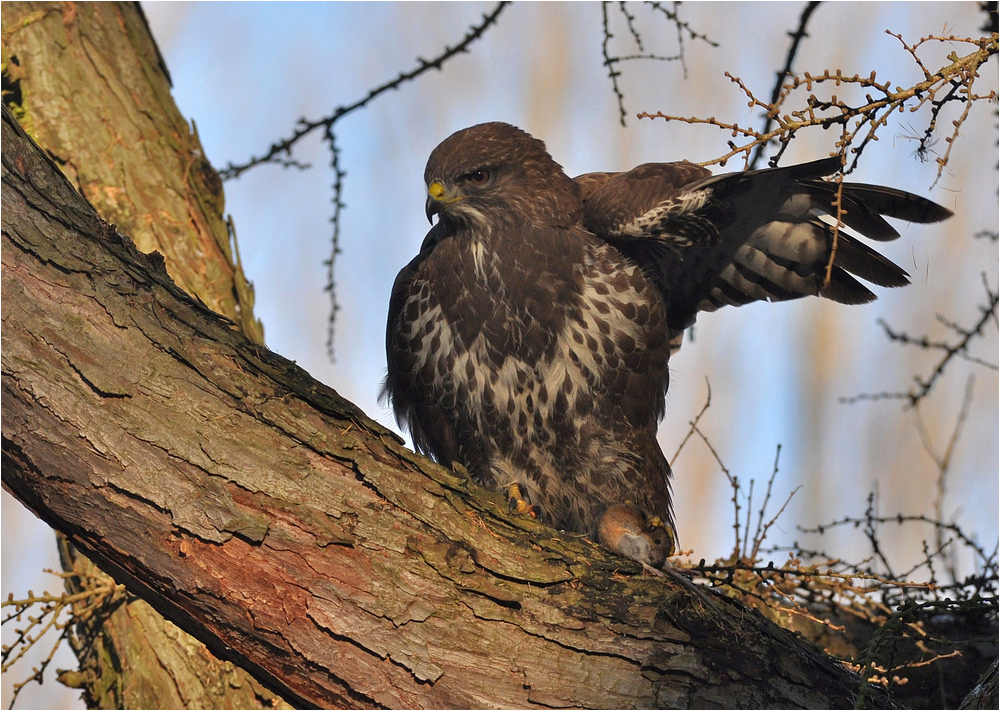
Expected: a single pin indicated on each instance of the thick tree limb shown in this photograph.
(275, 522)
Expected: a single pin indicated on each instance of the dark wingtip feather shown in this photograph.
(845, 289)
(803, 171)
(863, 261)
(897, 203)
(865, 205)
(857, 215)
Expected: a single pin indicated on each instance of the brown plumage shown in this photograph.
(529, 338)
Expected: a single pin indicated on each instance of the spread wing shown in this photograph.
(708, 241)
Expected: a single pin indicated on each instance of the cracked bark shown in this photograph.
(272, 520)
(89, 83)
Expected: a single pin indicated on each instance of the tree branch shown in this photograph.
(797, 36)
(284, 147)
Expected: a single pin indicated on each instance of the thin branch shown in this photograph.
(871, 524)
(630, 20)
(861, 121)
(760, 535)
(746, 528)
(943, 460)
(959, 349)
(611, 61)
(284, 147)
(797, 36)
(47, 613)
(682, 26)
(988, 560)
(338, 206)
(693, 425)
(281, 152)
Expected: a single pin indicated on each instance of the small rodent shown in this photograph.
(626, 530)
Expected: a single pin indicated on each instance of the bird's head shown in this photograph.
(496, 172)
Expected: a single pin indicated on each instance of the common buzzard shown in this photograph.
(529, 338)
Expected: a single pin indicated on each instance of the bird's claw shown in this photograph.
(516, 503)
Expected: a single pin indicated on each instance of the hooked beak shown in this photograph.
(431, 208)
(436, 200)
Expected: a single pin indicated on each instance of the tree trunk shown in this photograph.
(89, 82)
(271, 519)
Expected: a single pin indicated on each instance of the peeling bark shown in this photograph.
(271, 519)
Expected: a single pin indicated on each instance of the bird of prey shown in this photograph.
(529, 338)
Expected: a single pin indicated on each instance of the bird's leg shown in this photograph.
(516, 502)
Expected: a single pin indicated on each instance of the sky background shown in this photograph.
(244, 73)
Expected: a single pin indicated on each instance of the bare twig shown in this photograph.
(612, 60)
(822, 598)
(870, 520)
(682, 26)
(694, 423)
(797, 36)
(734, 484)
(943, 460)
(283, 148)
(280, 152)
(958, 349)
(338, 206)
(760, 535)
(47, 613)
(861, 121)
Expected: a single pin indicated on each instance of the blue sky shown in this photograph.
(245, 72)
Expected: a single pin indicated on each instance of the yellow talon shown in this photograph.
(516, 502)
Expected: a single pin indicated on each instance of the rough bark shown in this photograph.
(88, 84)
(89, 81)
(131, 657)
(271, 519)
(984, 695)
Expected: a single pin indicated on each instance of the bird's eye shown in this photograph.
(479, 177)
